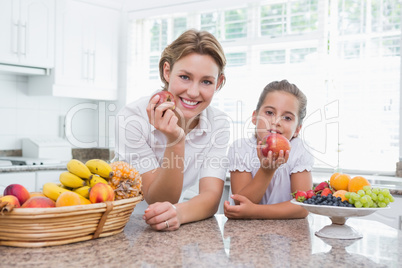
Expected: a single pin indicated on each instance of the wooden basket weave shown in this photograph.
(42, 227)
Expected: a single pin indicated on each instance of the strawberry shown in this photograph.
(300, 196)
(326, 192)
(310, 194)
(321, 186)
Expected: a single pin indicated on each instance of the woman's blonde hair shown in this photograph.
(193, 41)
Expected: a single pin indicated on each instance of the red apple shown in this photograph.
(39, 202)
(11, 199)
(18, 191)
(101, 192)
(165, 96)
(274, 142)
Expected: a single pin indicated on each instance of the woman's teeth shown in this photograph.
(189, 102)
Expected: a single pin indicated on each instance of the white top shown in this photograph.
(139, 143)
(243, 157)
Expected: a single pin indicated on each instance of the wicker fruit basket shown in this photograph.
(42, 227)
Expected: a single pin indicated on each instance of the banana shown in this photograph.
(97, 179)
(100, 167)
(53, 191)
(78, 168)
(83, 191)
(68, 179)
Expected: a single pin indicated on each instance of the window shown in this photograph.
(344, 55)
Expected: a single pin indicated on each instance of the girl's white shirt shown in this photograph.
(243, 157)
(143, 146)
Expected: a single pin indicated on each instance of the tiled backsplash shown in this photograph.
(23, 115)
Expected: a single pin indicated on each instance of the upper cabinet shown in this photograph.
(86, 62)
(27, 33)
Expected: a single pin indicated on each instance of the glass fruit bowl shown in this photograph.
(338, 215)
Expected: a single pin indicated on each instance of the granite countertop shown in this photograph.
(219, 242)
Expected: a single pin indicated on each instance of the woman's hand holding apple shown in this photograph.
(161, 115)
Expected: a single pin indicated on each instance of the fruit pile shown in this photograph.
(344, 191)
(93, 182)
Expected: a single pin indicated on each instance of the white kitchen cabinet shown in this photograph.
(87, 39)
(27, 33)
(27, 179)
(43, 177)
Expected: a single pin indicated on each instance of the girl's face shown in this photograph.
(193, 81)
(278, 113)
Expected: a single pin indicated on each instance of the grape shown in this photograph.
(347, 195)
(355, 196)
(391, 198)
(386, 200)
(385, 192)
(361, 192)
(373, 197)
(382, 204)
(363, 199)
(380, 197)
(366, 188)
(368, 192)
(359, 204)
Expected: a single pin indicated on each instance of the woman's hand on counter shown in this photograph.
(162, 216)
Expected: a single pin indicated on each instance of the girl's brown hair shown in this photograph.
(193, 41)
(285, 86)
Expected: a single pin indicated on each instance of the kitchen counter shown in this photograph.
(219, 242)
(32, 168)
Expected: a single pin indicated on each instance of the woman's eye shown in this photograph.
(185, 77)
(207, 82)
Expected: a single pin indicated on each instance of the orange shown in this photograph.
(68, 199)
(341, 194)
(357, 183)
(339, 181)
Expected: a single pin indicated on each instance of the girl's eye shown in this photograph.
(269, 113)
(287, 118)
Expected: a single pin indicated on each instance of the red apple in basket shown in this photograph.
(18, 191)
(274, 142)
(165, 96)
(39, 202)
(11, 199)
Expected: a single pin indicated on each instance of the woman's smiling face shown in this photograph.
(193, 81)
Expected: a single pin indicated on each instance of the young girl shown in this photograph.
(173, 149)
(262, 186)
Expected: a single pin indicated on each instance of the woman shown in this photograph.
(175, 146)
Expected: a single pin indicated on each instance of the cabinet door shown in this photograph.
(105, 48)
(36, 40)
(71, 52)
(27, 179)
(9, 12)
(43, 177)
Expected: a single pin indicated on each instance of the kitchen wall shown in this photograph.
(22, 115)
